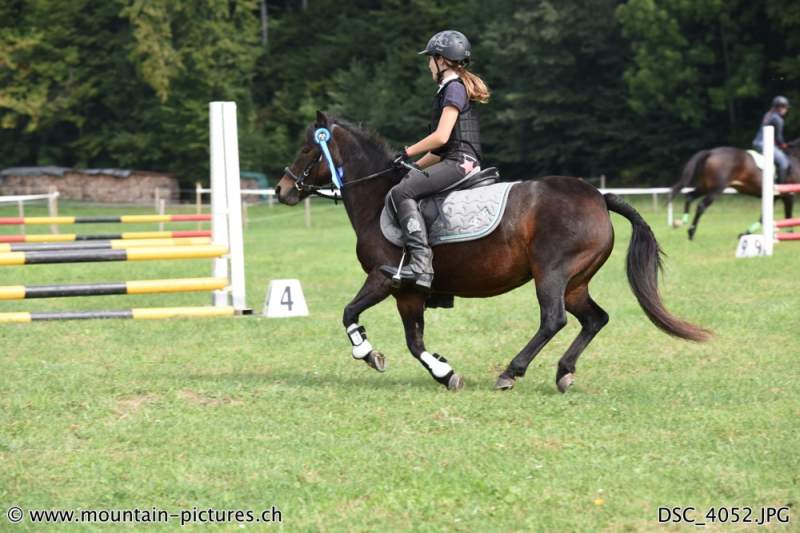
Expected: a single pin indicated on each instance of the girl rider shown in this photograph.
(452, 149)
(774, 117)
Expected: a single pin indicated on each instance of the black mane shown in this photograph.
(370, 137)
(373, 144)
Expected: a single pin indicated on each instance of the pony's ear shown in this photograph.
(322, 120)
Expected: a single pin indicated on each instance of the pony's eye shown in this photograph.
(305, 150)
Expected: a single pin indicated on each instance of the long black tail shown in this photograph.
(643, 265)
(689, 172)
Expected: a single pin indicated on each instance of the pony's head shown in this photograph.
(349, 146)
(793, 151)
(794, 148)
(310, 169)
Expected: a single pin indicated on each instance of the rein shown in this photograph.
(321, 137)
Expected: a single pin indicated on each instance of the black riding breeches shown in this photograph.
(436, 178)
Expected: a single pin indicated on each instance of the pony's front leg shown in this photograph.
(375, 289)
(411, 305)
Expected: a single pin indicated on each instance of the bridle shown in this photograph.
(299, 181)
(321, 137)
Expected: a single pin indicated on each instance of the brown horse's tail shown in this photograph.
(689, 172)
(643, 265)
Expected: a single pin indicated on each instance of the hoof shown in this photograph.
(376, 360)
(455, 383)
(677, 223)
(565, 382)
(504, 383)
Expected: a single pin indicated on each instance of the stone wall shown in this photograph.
(97, 186)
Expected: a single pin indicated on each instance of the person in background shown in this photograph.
(774, 117)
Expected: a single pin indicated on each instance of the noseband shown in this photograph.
(299, 181)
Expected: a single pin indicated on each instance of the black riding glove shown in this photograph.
(400, 158)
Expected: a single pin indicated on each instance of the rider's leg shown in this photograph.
(415, 239)
(782, 162)
(415, 186)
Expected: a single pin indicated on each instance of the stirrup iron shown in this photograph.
(396, 280)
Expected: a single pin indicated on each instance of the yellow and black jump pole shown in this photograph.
(152, 286)
(148, 313)
(98, 255)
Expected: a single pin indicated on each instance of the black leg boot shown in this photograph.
(419, 270)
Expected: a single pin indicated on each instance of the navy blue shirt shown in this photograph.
(455, 94)
(771, 118)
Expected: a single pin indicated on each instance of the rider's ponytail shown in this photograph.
(476, 87)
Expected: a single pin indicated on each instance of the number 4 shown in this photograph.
(286, 298)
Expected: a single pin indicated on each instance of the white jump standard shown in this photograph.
(765, 242)
(227, 283)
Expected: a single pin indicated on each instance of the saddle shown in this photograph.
(475, 179)
(467, 210)
(758, 159)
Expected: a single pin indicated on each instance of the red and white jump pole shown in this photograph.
(770, 225)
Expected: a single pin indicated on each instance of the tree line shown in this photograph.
(629, 89)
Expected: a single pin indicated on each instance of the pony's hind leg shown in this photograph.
(707, 201)
(690, 196)
(592, 319)
(550, 293)
(375, 290)
(411, 305)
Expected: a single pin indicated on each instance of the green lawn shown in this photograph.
(248, 413)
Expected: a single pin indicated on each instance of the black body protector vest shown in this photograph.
(466, 135)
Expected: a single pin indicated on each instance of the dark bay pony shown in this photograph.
(715, 169)
(556, 230)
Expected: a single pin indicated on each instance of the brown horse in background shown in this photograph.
(718, 168)
(556, 231)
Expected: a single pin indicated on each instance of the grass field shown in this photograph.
(250, 413)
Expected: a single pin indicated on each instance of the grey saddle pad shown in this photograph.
(457, 216)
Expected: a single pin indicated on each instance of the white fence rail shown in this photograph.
(52, 205)
(654, 192)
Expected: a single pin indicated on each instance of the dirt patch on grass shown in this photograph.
(129, 406)
(206, 401)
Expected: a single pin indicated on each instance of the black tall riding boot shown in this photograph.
(419, 269)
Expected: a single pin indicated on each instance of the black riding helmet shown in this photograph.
(450, 44)
(780, 101)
